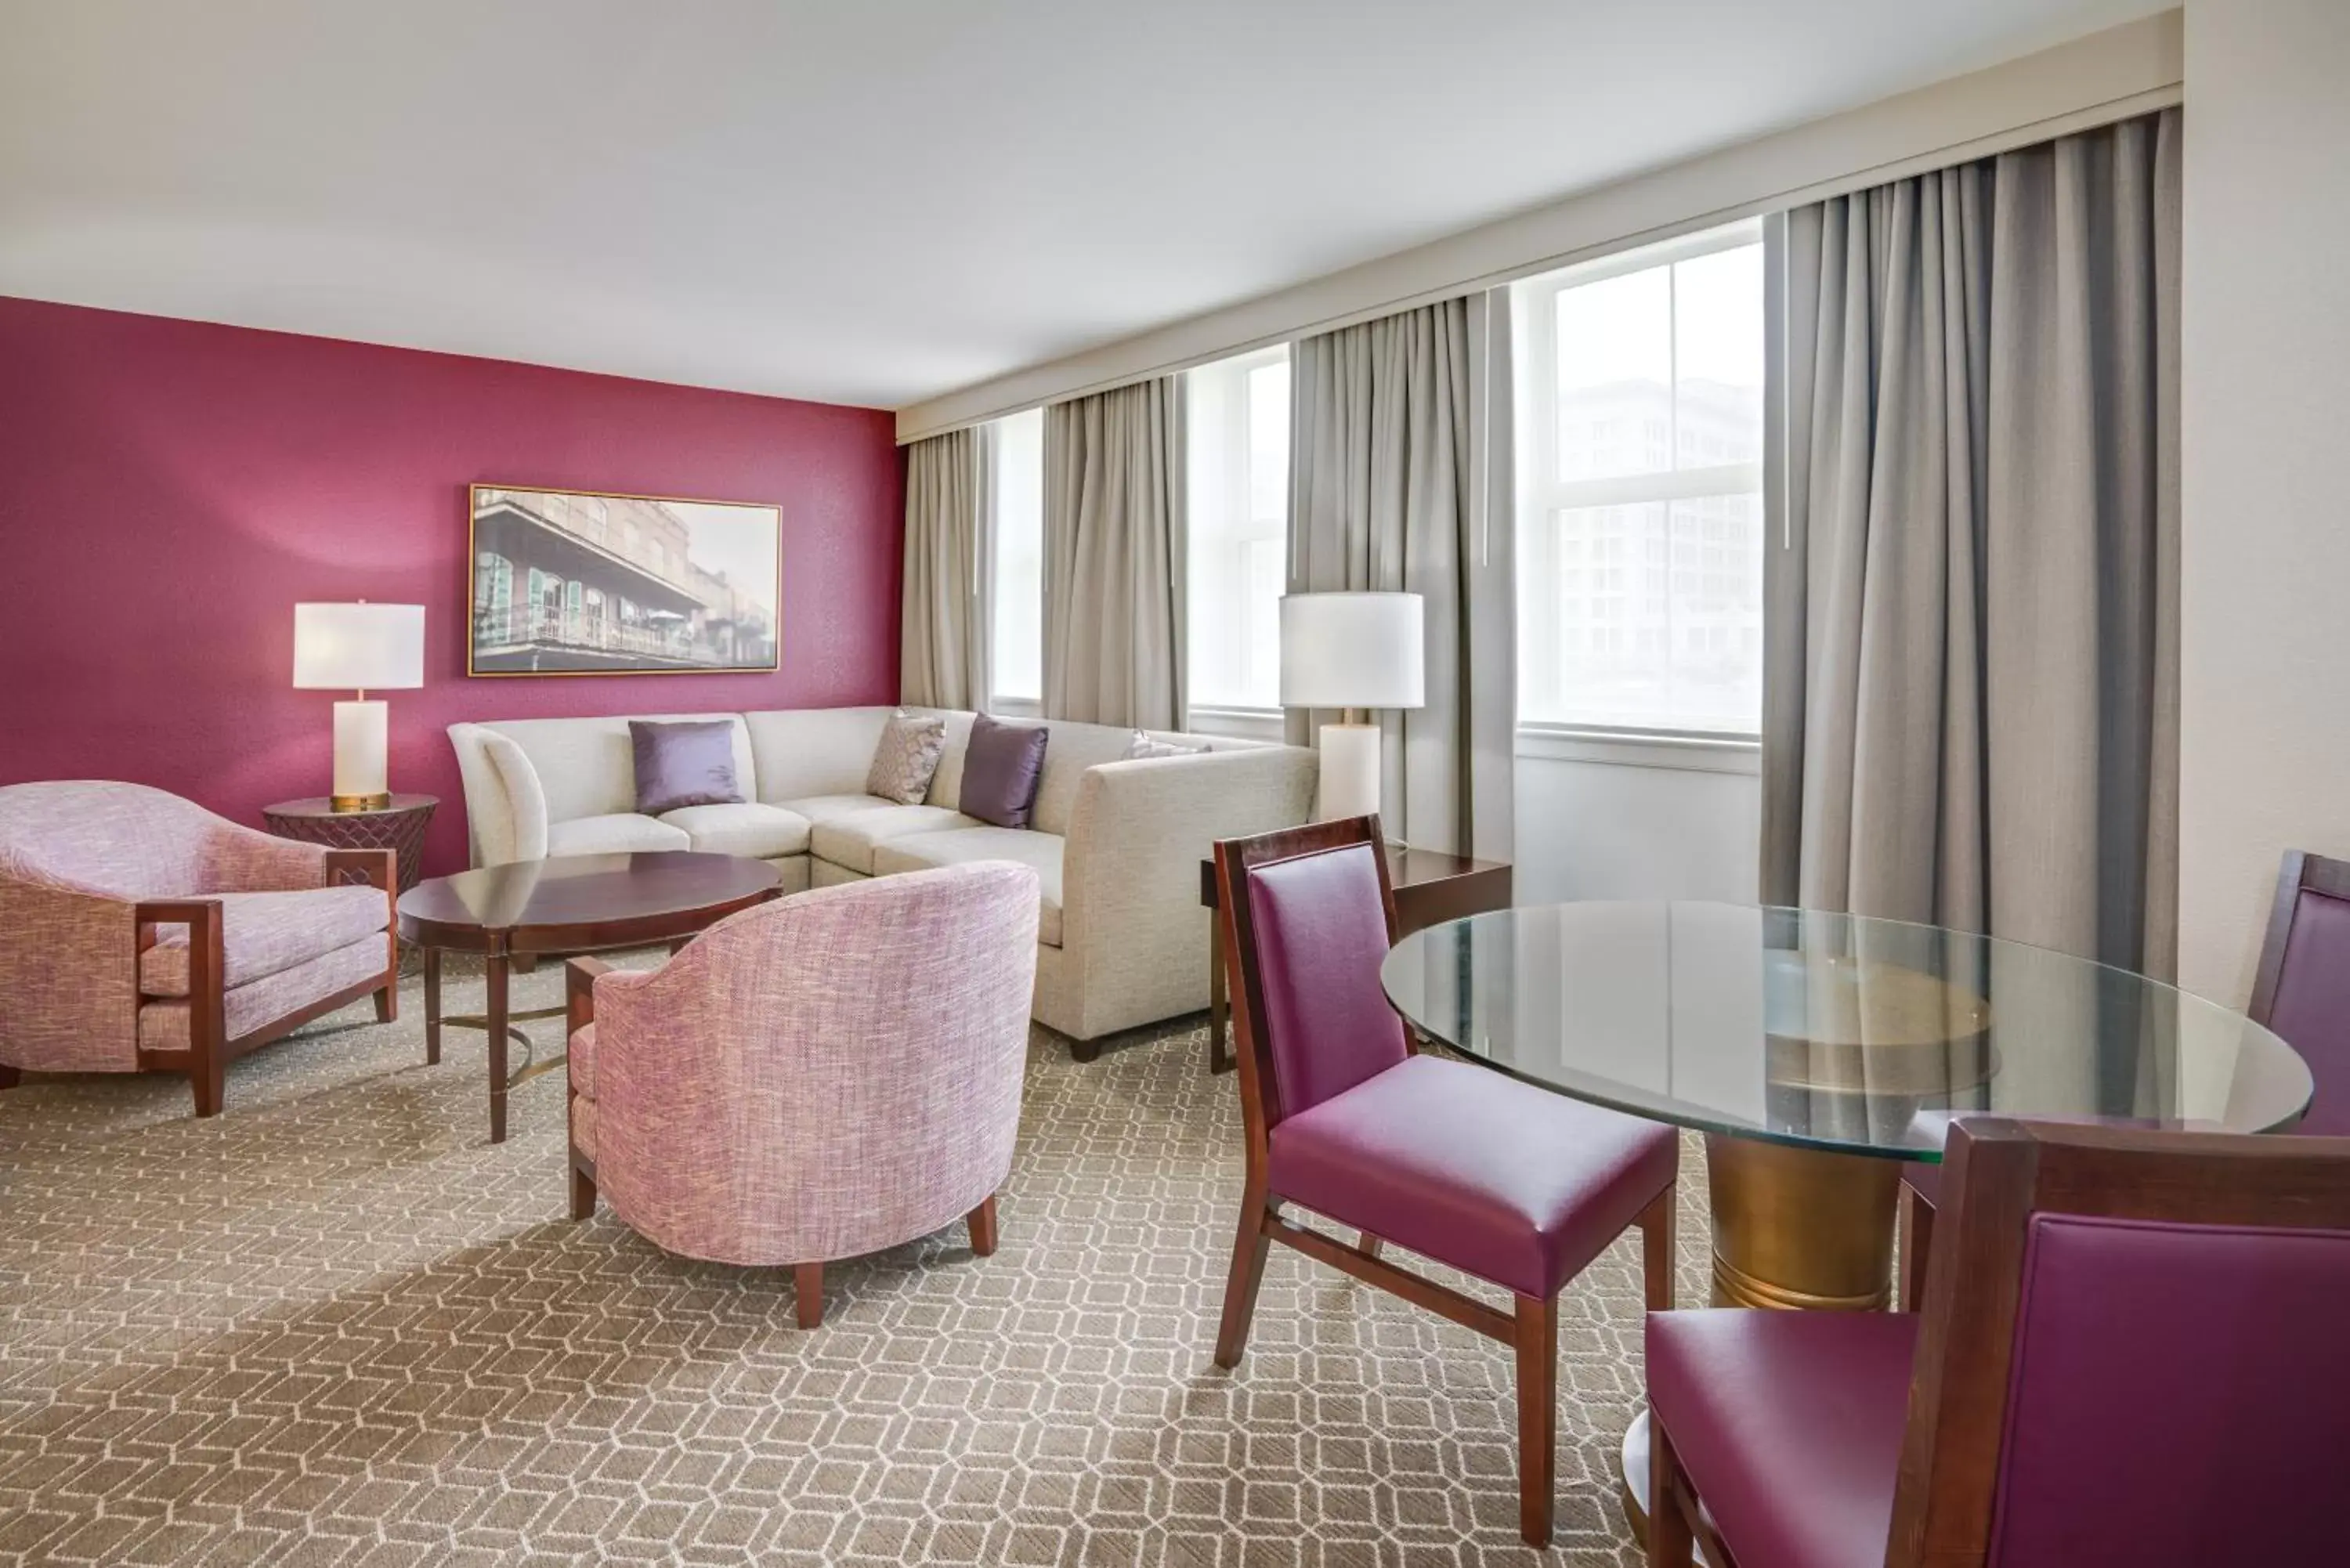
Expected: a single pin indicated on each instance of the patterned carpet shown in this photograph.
(337, 1326)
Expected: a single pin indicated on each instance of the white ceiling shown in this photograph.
(860, 200)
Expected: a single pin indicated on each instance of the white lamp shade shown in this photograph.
(1352, 650)
(358, 647)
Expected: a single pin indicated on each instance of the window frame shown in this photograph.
(1541, 493)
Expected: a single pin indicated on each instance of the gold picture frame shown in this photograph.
(605, 582)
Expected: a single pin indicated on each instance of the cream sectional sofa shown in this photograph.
(1115, 844)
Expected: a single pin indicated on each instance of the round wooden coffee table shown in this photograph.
(568, 904)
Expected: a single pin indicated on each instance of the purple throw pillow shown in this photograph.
(685, 765)
(1000, 770)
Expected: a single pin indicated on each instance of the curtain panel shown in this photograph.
(1114, 607)
(1397, 427)
(946, 626)
(1971, 586)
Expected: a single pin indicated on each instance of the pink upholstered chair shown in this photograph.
(2131, 1353)
(138, 932)
(1456, 1162)
(827, 1076)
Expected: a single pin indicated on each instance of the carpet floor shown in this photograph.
(335, 1326)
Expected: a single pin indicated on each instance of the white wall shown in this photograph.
(2264, 687)
(1608, 820)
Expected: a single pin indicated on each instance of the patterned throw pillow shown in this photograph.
(1143, 745)
(911, 745)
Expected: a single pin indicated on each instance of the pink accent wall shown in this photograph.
(170, 489)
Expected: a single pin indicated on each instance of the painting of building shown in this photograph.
(577, 583)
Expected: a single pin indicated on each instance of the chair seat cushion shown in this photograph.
(580, 1061)
(1458, 1163)
(1041, 852)
(1789, 1426)
(163, 1023)
(263, 933)
(745, 827)
(849, 840)
(619, 832)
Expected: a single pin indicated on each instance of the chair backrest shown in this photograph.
(124, 840)
(1308, 918)
(826, 1075)
(2132, 1351)
(2303, 989)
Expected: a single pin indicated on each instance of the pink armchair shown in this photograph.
(827, 1076)
(140, 933)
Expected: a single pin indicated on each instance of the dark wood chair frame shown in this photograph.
(205, 1058)
(579, 975)
(2000, 1173)
(1531, 1330)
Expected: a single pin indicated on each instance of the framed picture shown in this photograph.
(576, 582)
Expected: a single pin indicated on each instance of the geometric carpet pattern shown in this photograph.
(335, 1325)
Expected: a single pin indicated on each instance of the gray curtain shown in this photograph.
(1971, 700)
(944, 630)
(1114, 558)
(1392, 431)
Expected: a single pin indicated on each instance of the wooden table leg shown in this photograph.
(497, 1029)
(432, 1007)
(1219, 1054)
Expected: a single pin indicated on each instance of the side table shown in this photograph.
(398, 826)
(1432, 886)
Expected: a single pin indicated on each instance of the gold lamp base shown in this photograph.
(358, 802)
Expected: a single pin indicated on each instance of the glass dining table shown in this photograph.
(1818, 1053)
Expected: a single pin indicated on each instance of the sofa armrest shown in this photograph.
(505, 805)
(1130, 914)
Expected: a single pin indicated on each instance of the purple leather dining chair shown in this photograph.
(2131, 1353)
(2302, 994)
(1513, 1184)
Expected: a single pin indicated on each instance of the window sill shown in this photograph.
(1237, 723)
(1616, 748)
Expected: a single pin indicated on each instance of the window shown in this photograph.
(1639, 424)
(1237, 500)
(1019, 651)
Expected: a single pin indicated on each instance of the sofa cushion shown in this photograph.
(745, 827)
(824, 807)
(617, 833)
(163, 1023)
(1001, 767)
(848, 840)
(813, 750)
(683, 764)
(1041, 852)
(261, 934)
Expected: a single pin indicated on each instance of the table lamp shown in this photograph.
(1351, 652)
(351, 648)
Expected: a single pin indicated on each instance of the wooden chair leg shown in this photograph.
(387, 1003)
(807, 1285)
(1249, 1250)
(1657, 1250)
(10, 1076)
(583, 1194)
(982, 1224)
(1914, 1229)
(1670, 1541)
(1536, 1340)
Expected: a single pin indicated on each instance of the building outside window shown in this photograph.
(1639, 442)
(1237, 504)
(1019, 566)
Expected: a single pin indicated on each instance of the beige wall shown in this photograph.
(2264, 737)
